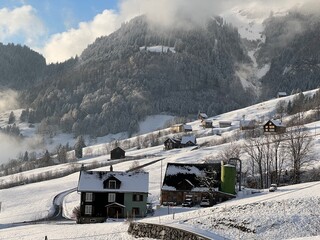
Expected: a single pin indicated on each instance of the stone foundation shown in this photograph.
(161, 232)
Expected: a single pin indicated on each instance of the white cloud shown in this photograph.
(64, 45)
(8, 100)
(21, 22)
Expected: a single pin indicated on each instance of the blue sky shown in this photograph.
(58, 15)
(46, 24)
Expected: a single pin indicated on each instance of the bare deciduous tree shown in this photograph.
(209, 180)
(254, 147)
(281, 108)
(299, 145)
(233, 151)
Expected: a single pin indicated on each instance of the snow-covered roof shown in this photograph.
(92, 181)
(282, 94)
(176, 172)
(158, 49)
(173, 140)
(186, 139)
(187, 127)
(203, 115)
(277, 123)
(173, 169)
(246, 123)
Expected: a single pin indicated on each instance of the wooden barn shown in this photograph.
(281, 94)
(172, 143)
(224, 124)
(202, 116)
(207, 123)
(247, 124)
(183, 180)
(117, 153)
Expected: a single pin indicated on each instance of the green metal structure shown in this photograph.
(228, 178)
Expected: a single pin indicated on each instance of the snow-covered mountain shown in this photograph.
(280, 41)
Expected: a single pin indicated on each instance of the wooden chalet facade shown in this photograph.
(185, 141)
(177, 128)
(183, 181)
(112, 195)
(274, 126)
(117, 153)
(207, 123)
(172, 143)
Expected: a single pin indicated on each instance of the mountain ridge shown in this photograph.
(118, 81)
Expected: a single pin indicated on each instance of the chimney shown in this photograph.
(111, 168)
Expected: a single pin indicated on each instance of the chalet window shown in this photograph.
(112, 184)
(111, 197)
(135, 211)
(88, 197)
(137, 197)
(88, 209)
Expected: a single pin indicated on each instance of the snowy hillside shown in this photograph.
(290, 212)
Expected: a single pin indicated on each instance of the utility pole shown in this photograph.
(160, 177)
(240, 163)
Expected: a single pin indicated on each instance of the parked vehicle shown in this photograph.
(273, 187)
(187, 203)
(205, 202)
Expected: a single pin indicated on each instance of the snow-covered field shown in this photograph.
(290, 212)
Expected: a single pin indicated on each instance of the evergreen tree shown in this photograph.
(80, 144)
(62, 154)
(47, 158)
(12, 118)
(26, 156)
(24, 115)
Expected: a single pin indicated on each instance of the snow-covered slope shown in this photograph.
(290, 212)
(248, 19)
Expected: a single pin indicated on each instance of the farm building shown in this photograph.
(117, 153)
(112, 195)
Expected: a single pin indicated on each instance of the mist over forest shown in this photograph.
(117, 81)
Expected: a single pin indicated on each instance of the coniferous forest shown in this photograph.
(117, 81)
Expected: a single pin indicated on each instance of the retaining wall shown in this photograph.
(138, 229)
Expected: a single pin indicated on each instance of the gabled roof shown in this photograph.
(186, 139)
(246, 123)
(203, 115)
(282, 94)
(189, 172)
(276, 123)
(117, 149)
(175, 140)
(92, 181)
(187, 127)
